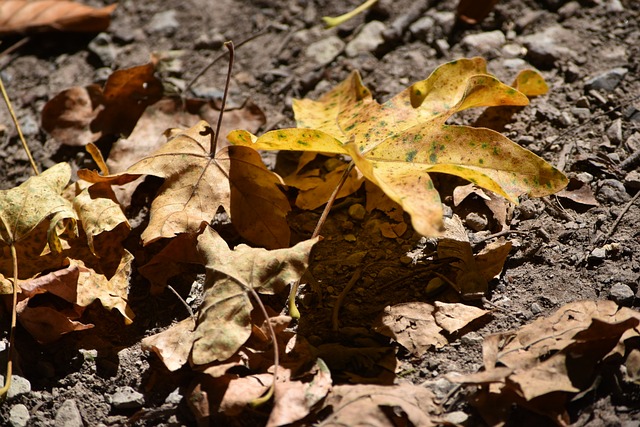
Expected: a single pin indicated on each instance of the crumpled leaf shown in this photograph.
(496, 204)
(31, 211)
(22, 16)
(396, 144)
(80, 115)
(543, 364)
(418, 326)
(375, 406)
(197, 184)
(224, 318)
(579, 192)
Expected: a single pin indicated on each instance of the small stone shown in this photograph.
(632, 180)
(104, 49)
(615, 6)
(608, 80)
(127, 398)
(68, 415)
(476, 222)
(445, 20)
(472, 338)
(513, 50)
(569, 9)
(174, 397)
(621, 294)
(324, 51)
(581, 113)
(18, 386)
(535, 308)
(527, 209)
(597, 256)
(19, 415)
(550, 45)
(367, 40)
(422, 29)
(612, 190)
(357, 211)
(633, 143)
(456, 417)
(349, 238)
(484, 42)
(585, 177)
(441, 387)
(614, 132)
(164, 22)
(442, 46)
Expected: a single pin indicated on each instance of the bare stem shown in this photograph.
(15, 122)
(7, 382)
(214, 140)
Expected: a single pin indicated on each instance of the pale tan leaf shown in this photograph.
(172, 345)
(454, 316)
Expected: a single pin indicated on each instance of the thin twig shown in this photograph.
(17, 125)
(182, 300)
(499, 234)
(222, 55)
(335, 321)
(624, 211)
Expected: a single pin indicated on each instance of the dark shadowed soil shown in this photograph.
(588, 125)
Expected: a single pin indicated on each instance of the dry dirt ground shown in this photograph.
(588, 124)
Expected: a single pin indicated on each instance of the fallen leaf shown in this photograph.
(453, 317)
(396, 144)
(377, 199)
(496, 204)
(579, 192)
(375, 406)
(413, 326)
(490, 261)
(224, 321)
(78, 116)
(474, 11)
(197, 184)
(172, 345)
(24, 16)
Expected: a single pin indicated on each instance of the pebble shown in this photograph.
(484, 43)
(621, 294)
(445, 20)
(472, 338)
(513, 50)
(633, 143)
(442, 46)
(615, 6)
(597, 256)
(164, 22)
(367, 40)
(528, 209)
(19, 415)
(613, 190)
(476, 222)
(585, 177)
(422, 29)
(535, 308)
(18, 386)
(569, 9)
(324, 51)
(550, 45)
(581, 114)
(608, 80)
(441, 387)
(68, 415)
(104, 49)
(632, 180)
(614, 132)
(456, 417)
(127, 398)
(174, 397)
(357, 211)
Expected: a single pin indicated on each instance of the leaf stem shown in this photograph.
(214, 140)
(293, 309)
(15, 122)
(7, 382)
(276, 353)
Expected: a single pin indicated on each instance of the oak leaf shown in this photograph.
(224, 318)
(397, 144)
(198, 182)
(19, 16)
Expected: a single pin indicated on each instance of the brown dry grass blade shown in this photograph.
(22, 16)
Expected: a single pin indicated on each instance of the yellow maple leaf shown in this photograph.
(398, 143)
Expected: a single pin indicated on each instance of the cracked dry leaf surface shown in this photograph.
(396, 144)
(224, 318)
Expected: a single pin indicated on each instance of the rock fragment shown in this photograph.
(68, 415)
(19, 416)
(127, 398)
(367, 40)
(608, 80)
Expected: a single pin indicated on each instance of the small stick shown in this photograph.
(499, 234)
(624, 211)
(182, 301)
(335, 322)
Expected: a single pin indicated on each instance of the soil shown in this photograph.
(563, 250)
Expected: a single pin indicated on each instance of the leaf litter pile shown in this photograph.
(77, 241)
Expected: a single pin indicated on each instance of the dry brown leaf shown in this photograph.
(474, 11)
(375, 406)
(172, 345)
(496, 204)
(490, 261)
(469, 282)
(79, 115)
(22, 16)
(47, 324)
(413, 326)
(316, 185)
(377, 199)
(579, 192)
(452, 317)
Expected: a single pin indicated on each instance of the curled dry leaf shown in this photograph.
(418, 326)
(81, 115)
(579, 192)
(22, 16)
(172, 345)
(397, 144)
(543, 364)
(224, 318)
(197, 183)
